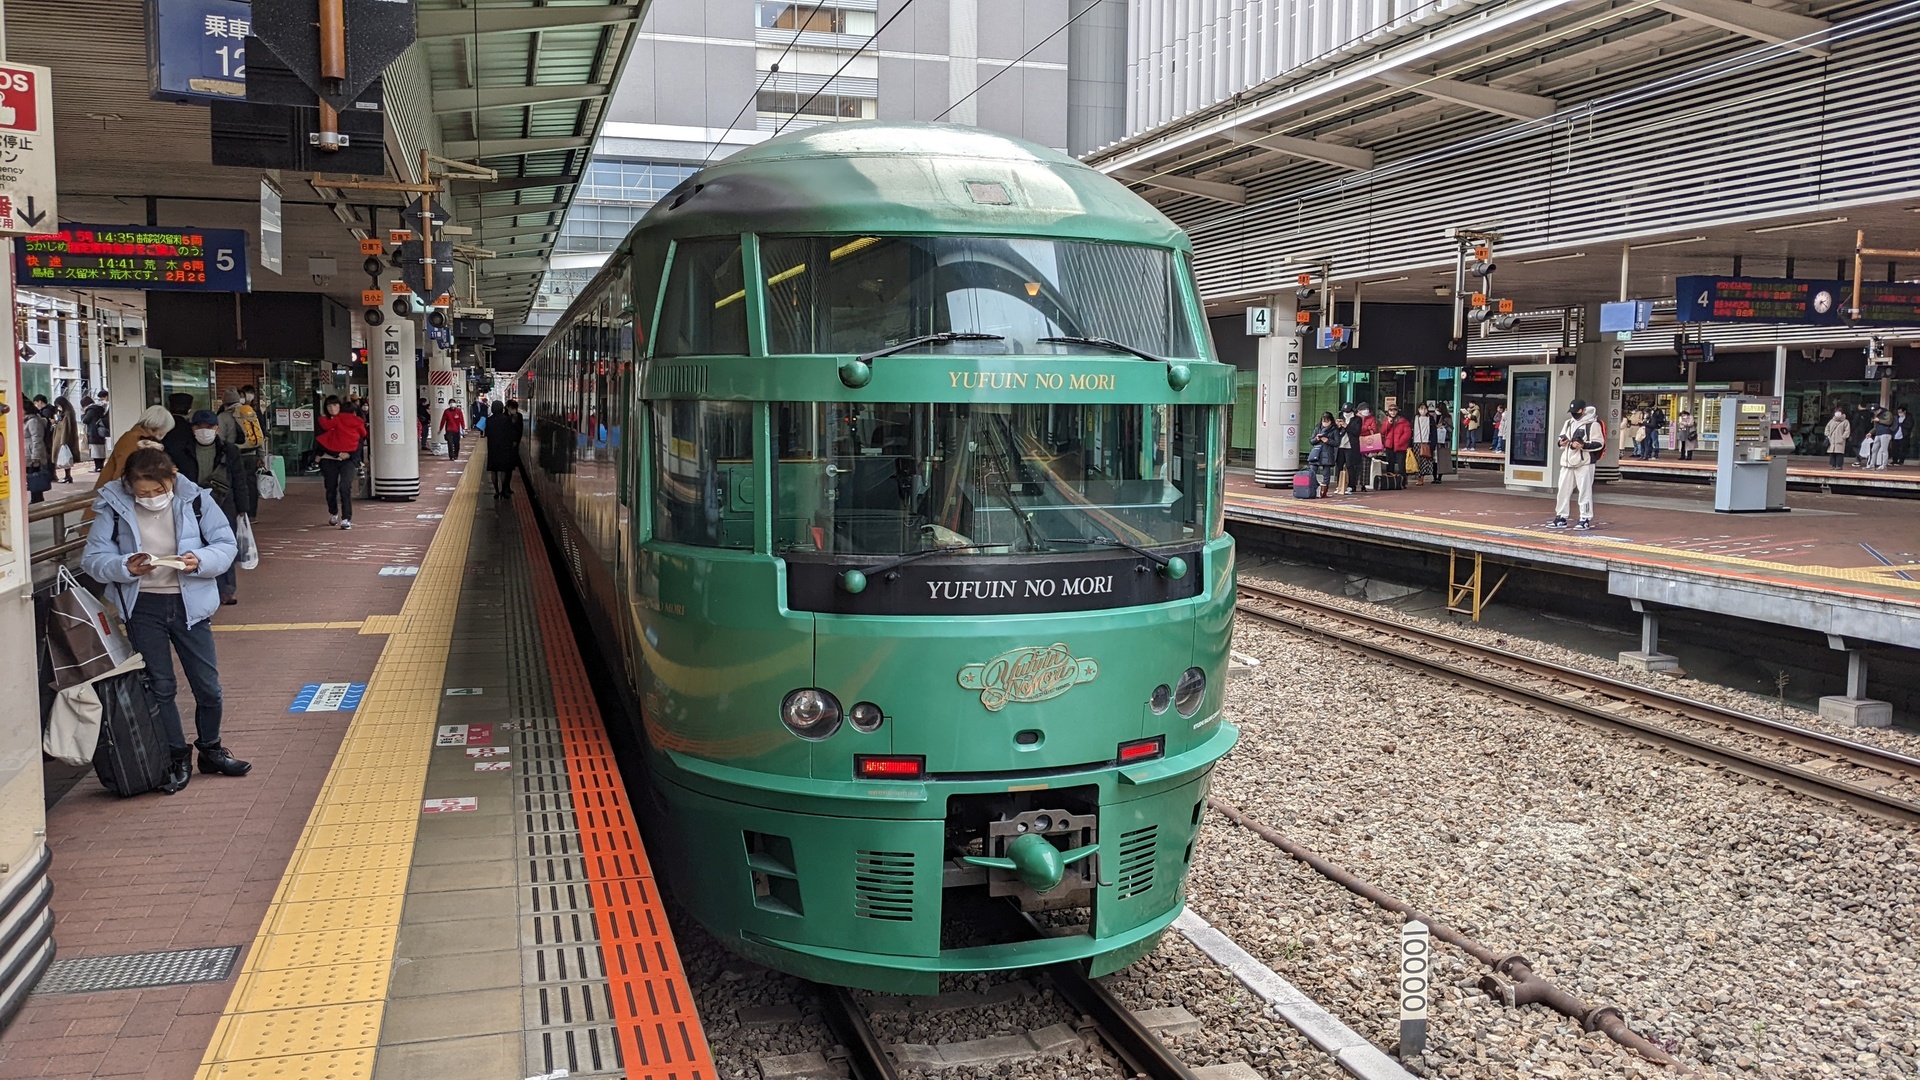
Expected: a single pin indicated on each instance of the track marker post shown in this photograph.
(1416, 982)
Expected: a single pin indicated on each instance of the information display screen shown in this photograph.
(1792, 300)
(134, 257)
(1531, 414)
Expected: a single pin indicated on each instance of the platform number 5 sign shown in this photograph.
(27, 188)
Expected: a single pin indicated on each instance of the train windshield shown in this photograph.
(994, 478)
(857, 294)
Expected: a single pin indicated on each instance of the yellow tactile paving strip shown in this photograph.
(1877, 576)
(312, 993)
(355, 624)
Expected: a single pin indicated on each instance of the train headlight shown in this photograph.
(811, 713)
(1190, 692)
(1162, 697)
(865, 716)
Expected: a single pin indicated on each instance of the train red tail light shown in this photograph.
(877, 767)
(1142, 750)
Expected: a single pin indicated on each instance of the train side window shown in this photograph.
(703, 473)
(704, 312)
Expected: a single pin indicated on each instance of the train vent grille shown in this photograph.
(1135, 875)
(883, 885)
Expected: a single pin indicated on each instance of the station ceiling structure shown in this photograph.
(1409, 120)
(517, 86)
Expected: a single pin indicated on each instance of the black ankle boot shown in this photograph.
(217, 759)
(179, 771)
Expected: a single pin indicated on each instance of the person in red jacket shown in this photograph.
(453, 422)
(1396, 437)
(339, 435)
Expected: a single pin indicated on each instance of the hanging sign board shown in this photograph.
(1259, 321)
(1792, 300)
(27, 189)
(197, 49)
(135, 257)
(271, 232)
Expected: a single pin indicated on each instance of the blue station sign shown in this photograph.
(1703, 299)
(197, 49)
(134, 257)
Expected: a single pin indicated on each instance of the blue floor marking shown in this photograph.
(1884, 561)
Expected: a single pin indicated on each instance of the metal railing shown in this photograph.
(59, 510)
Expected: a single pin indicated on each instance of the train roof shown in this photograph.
(907, 179)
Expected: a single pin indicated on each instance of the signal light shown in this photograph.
(1506, 321)
(1141, 750)
(897, 767)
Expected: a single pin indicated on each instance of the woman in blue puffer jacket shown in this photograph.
(145, 523)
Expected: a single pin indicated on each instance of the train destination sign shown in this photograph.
(135, 257)
(1793, 300)
(991, 585)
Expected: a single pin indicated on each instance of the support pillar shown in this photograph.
(395, 452)
(1779, 383)
(1276, 446)
(1649, 657)
(441, 392)
(1855, 708)
(1600, 380)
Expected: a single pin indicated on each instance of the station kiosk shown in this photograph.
(1749, 478)
(1537, 399)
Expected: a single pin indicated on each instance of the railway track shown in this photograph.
(1867, 778)
(1113, 1023)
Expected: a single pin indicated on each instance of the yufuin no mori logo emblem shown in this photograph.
(1034, 673)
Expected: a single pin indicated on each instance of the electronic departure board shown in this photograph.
(1793, 300)
(134, 257)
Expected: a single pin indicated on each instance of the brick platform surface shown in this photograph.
(197, 869)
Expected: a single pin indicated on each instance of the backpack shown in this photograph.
(247, 422)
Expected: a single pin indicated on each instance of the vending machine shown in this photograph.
(1537, 399)
(1749, 479)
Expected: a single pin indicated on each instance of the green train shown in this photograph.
(888, 463)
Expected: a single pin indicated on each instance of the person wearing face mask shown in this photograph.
(159, 543)
(242, 429)
(340, 434)
(1581, 441)
(1839, 430)
(213, 464)
(1902, 431)
(453, 423)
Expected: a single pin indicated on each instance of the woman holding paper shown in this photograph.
(160, 543)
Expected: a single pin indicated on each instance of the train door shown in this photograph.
(619, 404)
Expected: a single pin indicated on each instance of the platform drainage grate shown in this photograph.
(138, 971)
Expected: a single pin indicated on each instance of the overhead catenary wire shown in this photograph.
(851, 57)
(1019, 59)
(771, 71)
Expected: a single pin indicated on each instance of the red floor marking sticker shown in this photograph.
(479, 735)
(454, 735)
(486, 751)
(492, 766)
(450, 806)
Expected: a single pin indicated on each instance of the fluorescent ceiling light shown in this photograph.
(1386, 281)
(1666, 243)
(1554, 258)
(1800, 225)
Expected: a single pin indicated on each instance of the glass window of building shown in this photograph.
(856, 294)
(703, 473)
(704, 312)
(812, 18)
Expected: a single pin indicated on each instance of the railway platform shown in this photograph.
(431, 870)
(1803, 473)
(1833, 564)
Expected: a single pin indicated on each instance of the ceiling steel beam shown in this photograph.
(506, 232)
(1347, 157)
(1474, 95)
(457, 23)
(513, 97)
(1206, 189)
(496, 148)
(1754, 21)
(481, 188)
(507, 213)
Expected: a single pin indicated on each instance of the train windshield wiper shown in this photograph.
(1155, 557)
(915, 556)
(929, 339)
(1105, 343)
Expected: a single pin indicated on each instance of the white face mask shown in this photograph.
(155, 502)
(205, 436)
(248, 398)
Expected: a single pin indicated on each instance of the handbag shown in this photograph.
(1372, 444)
(39, 479)
(83, 642)
(1413, 462)
(248, 556)
(73, 724)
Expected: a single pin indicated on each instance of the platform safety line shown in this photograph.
(659, 1027)
(312, 994)
(1668, 557)
(235, 628)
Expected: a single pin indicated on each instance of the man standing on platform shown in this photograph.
(1581, 442)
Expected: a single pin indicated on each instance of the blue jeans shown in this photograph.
(160, 621)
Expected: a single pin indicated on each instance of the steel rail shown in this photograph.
(1787, 775)
(1141, 1049)
(866, 1058)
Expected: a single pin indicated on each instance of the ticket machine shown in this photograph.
(1537, 399)
(1749, 479)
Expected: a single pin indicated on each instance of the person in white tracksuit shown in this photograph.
(1582, 440)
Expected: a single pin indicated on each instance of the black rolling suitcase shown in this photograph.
(133, 756)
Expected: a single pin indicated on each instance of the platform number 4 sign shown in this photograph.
(27, 187)
(1259, 321)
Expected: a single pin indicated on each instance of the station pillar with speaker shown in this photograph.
(394, 459)
(1276, 445)
(126, 382)
(442, 390)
